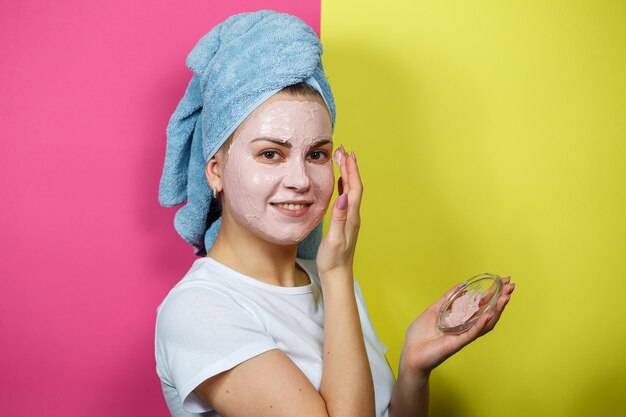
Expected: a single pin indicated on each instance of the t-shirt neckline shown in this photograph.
(260, 284)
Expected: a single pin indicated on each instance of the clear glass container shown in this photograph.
(473, 298)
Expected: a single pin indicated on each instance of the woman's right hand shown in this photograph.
(335, 255)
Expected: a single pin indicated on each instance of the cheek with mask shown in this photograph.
(278, 178)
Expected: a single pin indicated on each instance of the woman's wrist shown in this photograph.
(411, 374)
(338, 277)
(410, 393)
(414, 380)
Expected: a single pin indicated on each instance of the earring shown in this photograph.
(215, 192)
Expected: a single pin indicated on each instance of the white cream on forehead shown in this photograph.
(251, 185)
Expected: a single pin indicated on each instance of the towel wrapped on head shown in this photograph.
(238, 65)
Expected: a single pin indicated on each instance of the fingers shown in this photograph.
(354, 179)
(355, 192)
(336, 230)
(504, 299)
(350, 184)
(340, 157)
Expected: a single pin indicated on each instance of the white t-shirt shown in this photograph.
(215, 318)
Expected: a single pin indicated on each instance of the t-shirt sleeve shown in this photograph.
(201, 332)
(368, 331)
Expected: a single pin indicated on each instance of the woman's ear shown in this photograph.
(212, 170)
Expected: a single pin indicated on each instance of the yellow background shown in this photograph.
(491, 137)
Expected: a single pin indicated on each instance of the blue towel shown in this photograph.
(238, 65)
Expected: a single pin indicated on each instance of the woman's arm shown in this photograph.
(425, 348)
(347, 385)
(267, 385)
(410, 396)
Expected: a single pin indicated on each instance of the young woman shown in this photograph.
(255, 330)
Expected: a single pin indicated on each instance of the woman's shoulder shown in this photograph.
(200, 287)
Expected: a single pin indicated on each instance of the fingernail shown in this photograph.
(343, 151)
(354, 156)
(342, 201)
(338, 157)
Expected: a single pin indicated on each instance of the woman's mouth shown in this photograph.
(292, 209)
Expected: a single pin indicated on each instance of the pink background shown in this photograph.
(87, 253)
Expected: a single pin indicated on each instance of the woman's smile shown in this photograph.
(292, 209)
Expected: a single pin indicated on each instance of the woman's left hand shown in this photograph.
(426, 347)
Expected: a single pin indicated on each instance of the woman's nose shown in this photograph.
(296, 177)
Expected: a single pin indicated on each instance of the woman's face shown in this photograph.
(278, 177)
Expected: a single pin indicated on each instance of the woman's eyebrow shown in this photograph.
(321, 142)
(277, 141)
(287, 144)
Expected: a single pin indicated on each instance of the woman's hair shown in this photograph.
(302, 90)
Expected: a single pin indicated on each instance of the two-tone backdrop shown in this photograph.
(490, 136)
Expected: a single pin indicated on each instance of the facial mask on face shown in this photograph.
(280, 192)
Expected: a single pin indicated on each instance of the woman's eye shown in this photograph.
(270, 154)
(317, 155)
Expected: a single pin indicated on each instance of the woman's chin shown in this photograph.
(288, 237)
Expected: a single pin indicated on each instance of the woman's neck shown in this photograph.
(244, 252)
